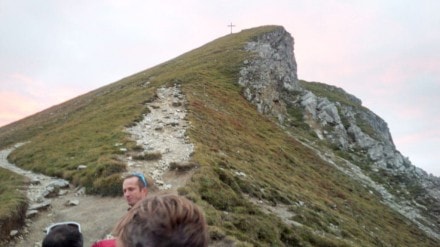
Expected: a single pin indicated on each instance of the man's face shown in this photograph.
(132, 192)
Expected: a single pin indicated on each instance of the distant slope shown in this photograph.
(258, 182)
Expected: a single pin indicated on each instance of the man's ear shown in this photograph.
(144, 190)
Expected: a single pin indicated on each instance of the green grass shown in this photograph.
(148, 156)
(230, 136)
(13, 202)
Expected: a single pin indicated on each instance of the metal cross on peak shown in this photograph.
(231, 26)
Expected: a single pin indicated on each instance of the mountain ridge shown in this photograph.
(225, 81)
(369, 132)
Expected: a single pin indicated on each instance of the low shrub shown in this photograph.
(148, 156)
(182, 166)
(109, 186)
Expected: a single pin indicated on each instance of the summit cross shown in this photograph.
(231, 26)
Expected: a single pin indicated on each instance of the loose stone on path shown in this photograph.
(162, 130)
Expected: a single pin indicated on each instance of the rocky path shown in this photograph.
(161, 131)
(41, 187)
(53, 200)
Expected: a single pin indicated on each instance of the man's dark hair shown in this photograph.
(63, 236)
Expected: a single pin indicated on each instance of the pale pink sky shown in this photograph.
(387, 53)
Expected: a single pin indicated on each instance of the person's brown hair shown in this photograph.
(162, 221)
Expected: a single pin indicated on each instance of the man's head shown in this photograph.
(163, 221)
(65, 234)
(134, 188)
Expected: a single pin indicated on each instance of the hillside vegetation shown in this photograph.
(13, 203)
(249, 167)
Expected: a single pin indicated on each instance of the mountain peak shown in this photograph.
(276, 162)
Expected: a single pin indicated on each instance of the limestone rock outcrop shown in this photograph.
(271, 73)
(271, 83)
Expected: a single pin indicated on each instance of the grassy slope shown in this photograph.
(229, 136)
(13, 203)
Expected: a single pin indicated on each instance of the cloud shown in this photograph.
(15, 106)
(22, 95)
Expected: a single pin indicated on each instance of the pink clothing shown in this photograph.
(105, 243)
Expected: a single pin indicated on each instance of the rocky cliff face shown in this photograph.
(353, 132)
(271, 73)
